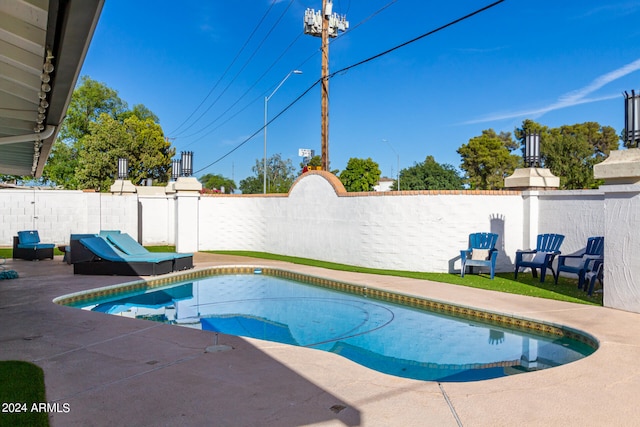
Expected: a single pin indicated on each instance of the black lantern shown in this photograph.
(532, 149)
(186, 163)
(632, 118)
(123, 168)
(175, 169)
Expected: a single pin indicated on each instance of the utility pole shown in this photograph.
(324, 24)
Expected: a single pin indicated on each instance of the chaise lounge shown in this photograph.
(26, 245)
(94, 255)
(130, 246)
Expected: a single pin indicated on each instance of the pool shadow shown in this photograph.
(111, 368)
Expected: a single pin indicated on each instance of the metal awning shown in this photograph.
(33, 102)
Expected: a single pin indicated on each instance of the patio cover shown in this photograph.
(31, 31)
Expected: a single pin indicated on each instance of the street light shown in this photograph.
(398, 157)
(266, 100)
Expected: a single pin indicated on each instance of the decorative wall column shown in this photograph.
(533, 176)
(122, 186)
(621, 173)
(187, 214)
(530, 217)
(530, 179)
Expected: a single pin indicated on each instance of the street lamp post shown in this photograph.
(398, 164)
(266, 100)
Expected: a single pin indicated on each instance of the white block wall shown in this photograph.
(420, 231)
(57, 214)
(577, 214)
(622, 245)
(157, 220)
(235, 222)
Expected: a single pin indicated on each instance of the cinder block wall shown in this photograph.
(57, 214)
(577, 214)
(410, 230)
(419, 230)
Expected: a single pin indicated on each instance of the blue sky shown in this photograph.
(205, 67)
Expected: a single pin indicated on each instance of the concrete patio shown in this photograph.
(112, 370)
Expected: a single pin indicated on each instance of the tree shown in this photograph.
(141, 112)
(89, 100)
(217, 181)
(429, 175)
(360, 174)
(62, 165)
(140, 141)
(280, 176)
(487, 159)
(134, 134)
(571, 151)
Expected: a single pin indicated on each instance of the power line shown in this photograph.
(246, 92)
(416, 38)
(295, 101)
(264, 74)
(299, 66)
(228, 67)
(246, 63)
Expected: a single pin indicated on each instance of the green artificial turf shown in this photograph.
(161, 248)
(8, 252)
(22, 386)
(565, 290)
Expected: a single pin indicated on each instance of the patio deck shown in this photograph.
(112, 369)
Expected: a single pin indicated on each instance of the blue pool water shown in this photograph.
(389, 338)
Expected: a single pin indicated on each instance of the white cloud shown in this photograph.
(576, 97)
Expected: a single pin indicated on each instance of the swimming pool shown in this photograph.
(392, 333)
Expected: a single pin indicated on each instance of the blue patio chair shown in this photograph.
(547, 247)
(594, 274)
(481, 252)
(580, 264)
(26, 245)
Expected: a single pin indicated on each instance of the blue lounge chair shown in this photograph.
(547, 247)
(97, 256)
(130, 246)
(582, 263)
(481, 252)
(26, 245)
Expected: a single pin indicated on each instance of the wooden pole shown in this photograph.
(324, 143)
